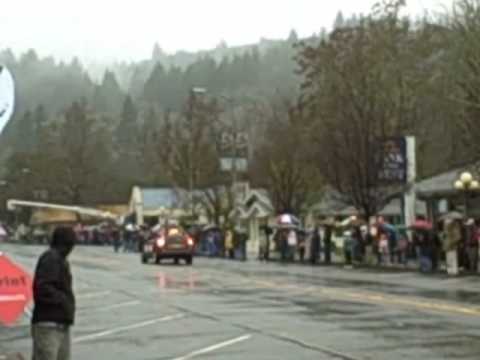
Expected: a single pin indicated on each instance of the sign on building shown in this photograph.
(237, 164)
(233, 148)
(392, 161)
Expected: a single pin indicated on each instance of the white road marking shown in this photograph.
(113, 306)
(93, 295)
(127, 328)
(324, 349)
(214, 347)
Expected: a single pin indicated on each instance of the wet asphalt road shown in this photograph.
(229, 310)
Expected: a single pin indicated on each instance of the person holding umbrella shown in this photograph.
(392, 238)
(428, 244)
(287, 236)
(292, 242)
(471, 245)
(453, 237)
(328, 227)
(315, 245)
(229, 245)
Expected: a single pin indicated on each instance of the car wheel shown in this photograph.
(144, 259)
(157, 260)
(189, 260)
(176, 261)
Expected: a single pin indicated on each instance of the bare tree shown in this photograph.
(282, 162)
(186, 145)
(361, 86)
(462, 67)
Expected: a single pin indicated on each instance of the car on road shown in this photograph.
(169, 243)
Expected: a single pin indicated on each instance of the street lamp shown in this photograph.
(467, 184)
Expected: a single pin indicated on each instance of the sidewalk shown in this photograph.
(338, 262)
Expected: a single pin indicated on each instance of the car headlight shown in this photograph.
(161, 242)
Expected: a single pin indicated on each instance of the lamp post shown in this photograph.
(467, 184)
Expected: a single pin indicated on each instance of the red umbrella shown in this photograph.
(422, 225)
(15, 290)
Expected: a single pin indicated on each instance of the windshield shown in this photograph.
(240, 179)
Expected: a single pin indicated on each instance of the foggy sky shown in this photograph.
(127, 30)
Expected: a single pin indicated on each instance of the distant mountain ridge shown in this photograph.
(181, 58)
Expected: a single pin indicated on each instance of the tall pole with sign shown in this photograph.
(409, 197)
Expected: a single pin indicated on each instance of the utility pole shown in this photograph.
(234, 145)
(191, 118)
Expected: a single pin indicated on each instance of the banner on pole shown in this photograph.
(392, 161)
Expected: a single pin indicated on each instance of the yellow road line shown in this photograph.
(378, 298)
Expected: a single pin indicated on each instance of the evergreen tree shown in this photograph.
(292, 37)
(158, 54)
(40, 116)
(40, 119)
(339, 21)
(153, 89)
(7, 57)
(26, 132)
(128, 124)
(140, 75)
(108, 96)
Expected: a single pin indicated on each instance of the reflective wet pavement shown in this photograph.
(230, 310)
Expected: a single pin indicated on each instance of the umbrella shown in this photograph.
(387, 227)
(240, 229)
(288, 219)
(211, 227)
(157, 228)
(130, 227)
(356, 221)
(422, 225)
(286, 226)
(328, 222)
(351, 221)
(452, 215)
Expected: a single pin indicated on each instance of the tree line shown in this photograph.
(314, 110)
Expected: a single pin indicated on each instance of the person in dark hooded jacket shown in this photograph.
(315, 245)
(54, 310)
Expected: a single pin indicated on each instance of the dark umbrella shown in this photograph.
(211, 227)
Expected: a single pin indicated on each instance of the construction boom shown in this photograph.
(13, 204)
